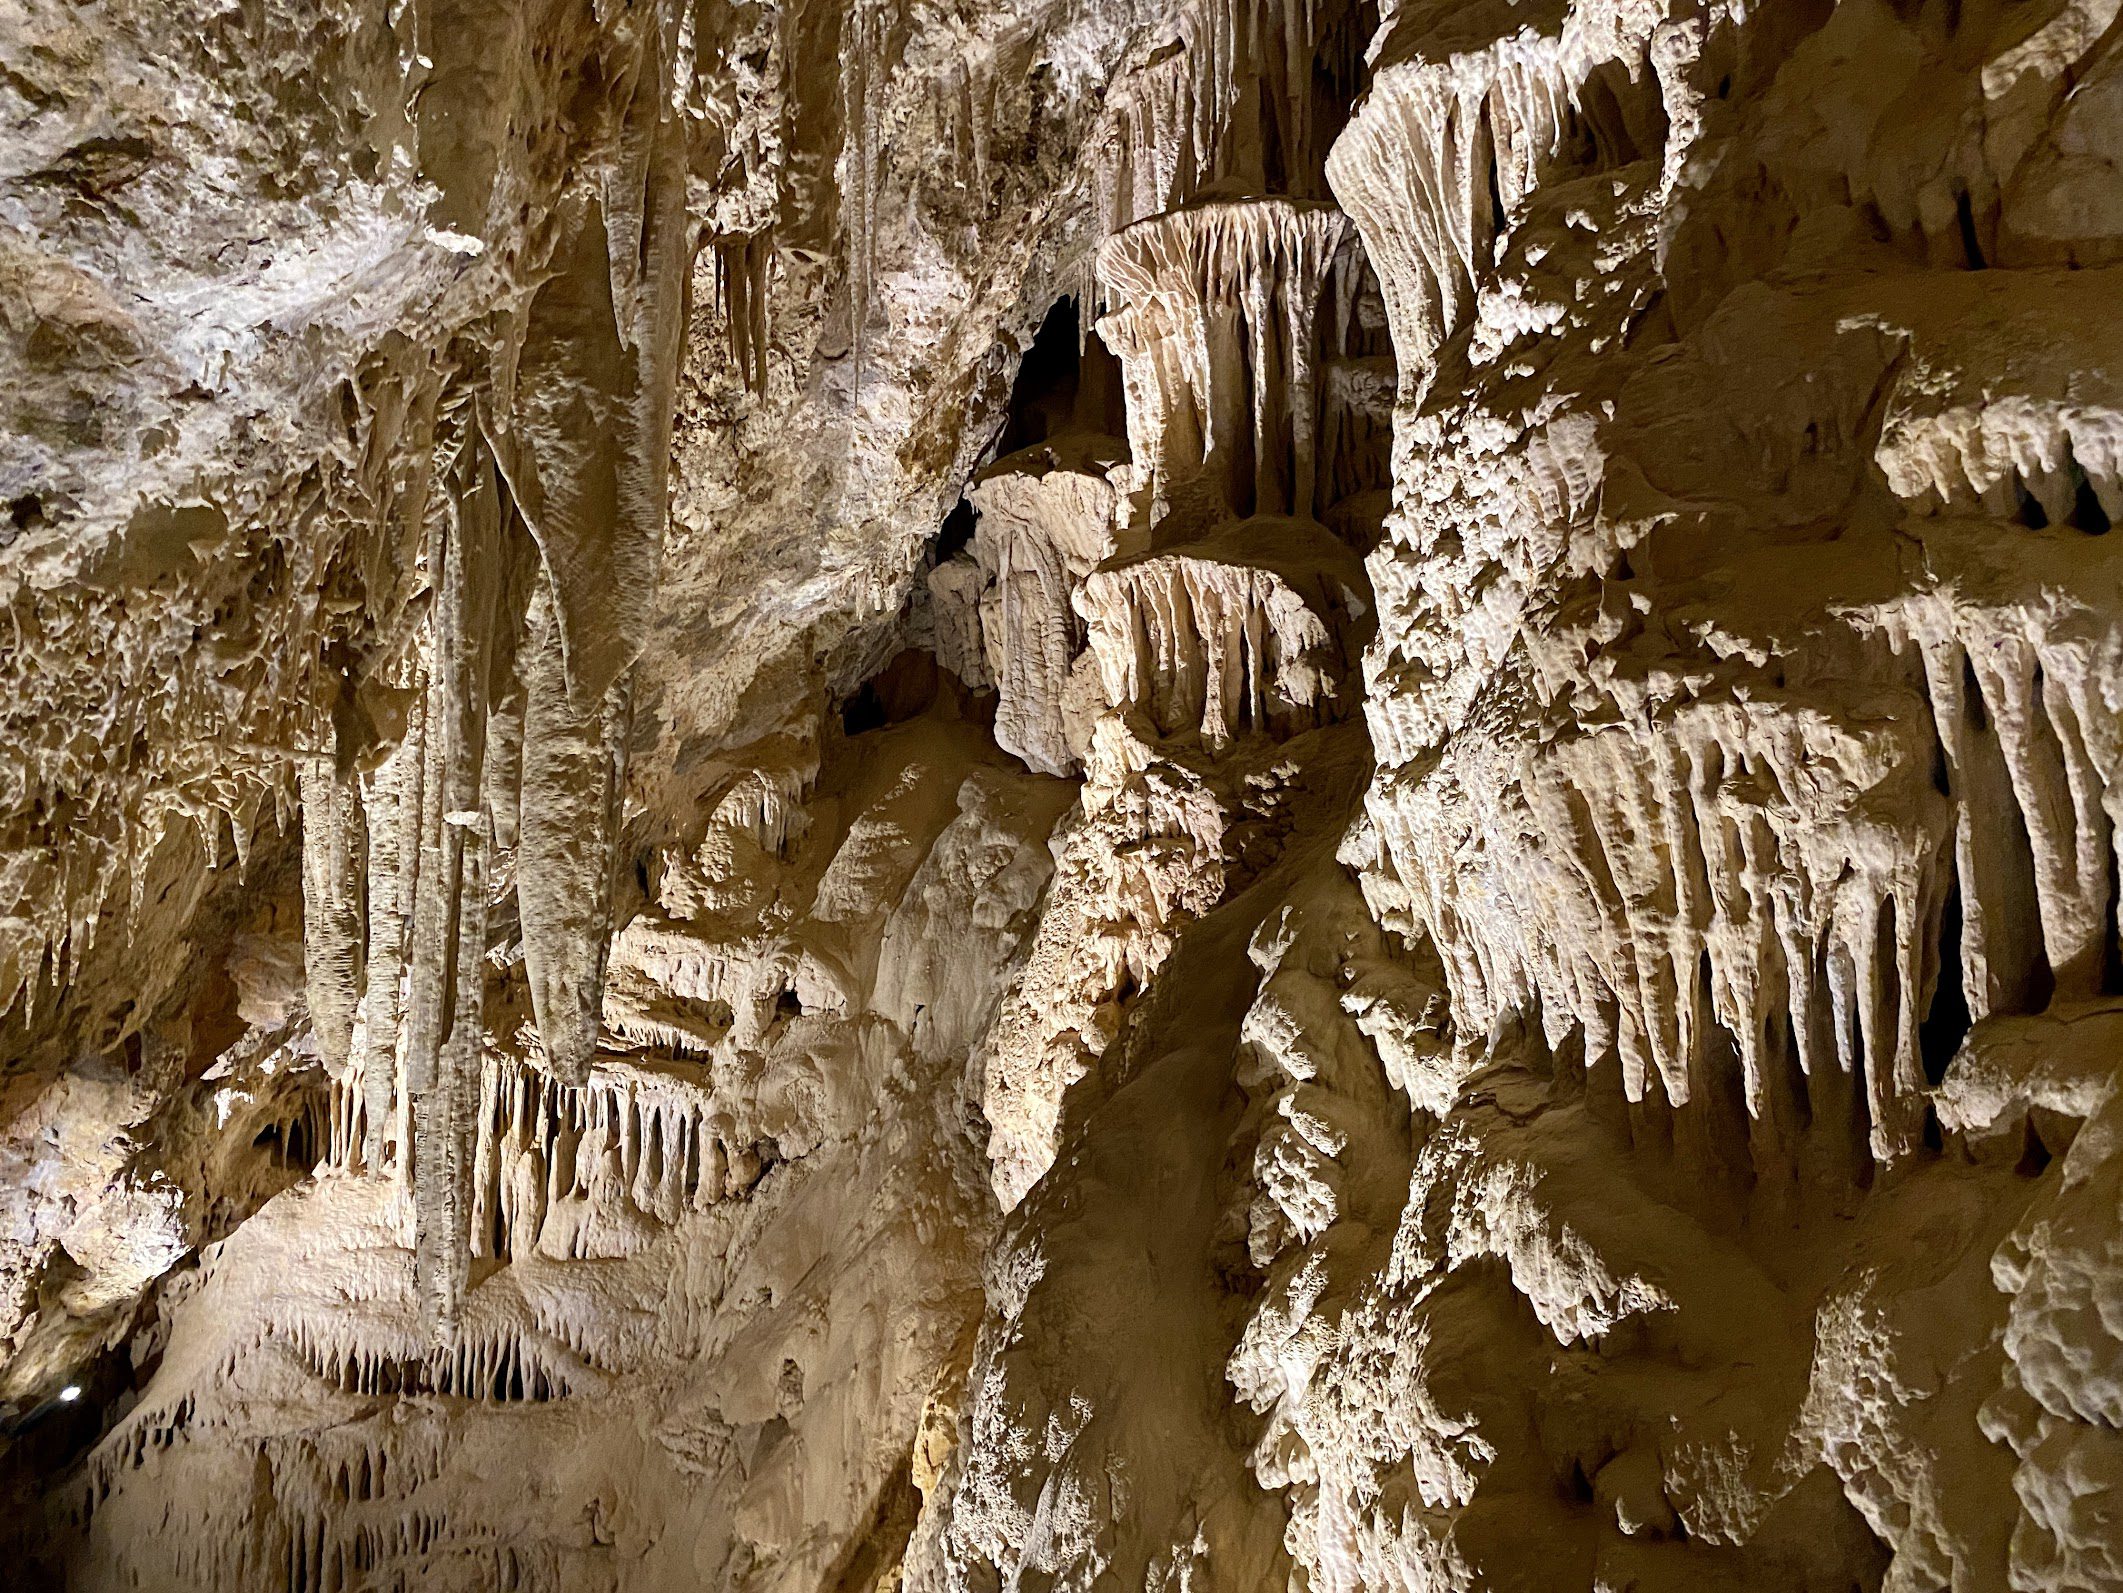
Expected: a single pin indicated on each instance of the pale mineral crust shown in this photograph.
(1178, 794)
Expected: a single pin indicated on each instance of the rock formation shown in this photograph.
(1196, 794)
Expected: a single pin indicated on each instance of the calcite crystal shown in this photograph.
(1192, 794)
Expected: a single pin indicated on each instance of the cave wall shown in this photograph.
(1202, 796)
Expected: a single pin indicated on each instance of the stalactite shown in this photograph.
(444, 1025)
(573, 765)
(1213, 312)
(1219, 647)
(743, 268)
(861, 56)
(332, 919)
(1046, 520)
(396, 799)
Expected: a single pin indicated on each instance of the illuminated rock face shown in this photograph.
(1211, 796)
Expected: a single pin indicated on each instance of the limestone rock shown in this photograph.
(1193, 794)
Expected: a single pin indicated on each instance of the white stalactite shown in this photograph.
(332, 918)
(572, 768)
(1213, 312)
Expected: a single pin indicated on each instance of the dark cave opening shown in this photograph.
(955, 535)
(1946, 1022)
(902, 690)
(1067, 381)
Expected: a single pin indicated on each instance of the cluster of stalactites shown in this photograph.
(2033, 757)
(743, 277)
(1233, 102)
(1647, 890)
(576, 1171)
(1999, 456)
(1793, 893)
(1204, 645)
(541, 543)
(1445, 148)
(502, 762)
(1214, 313)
